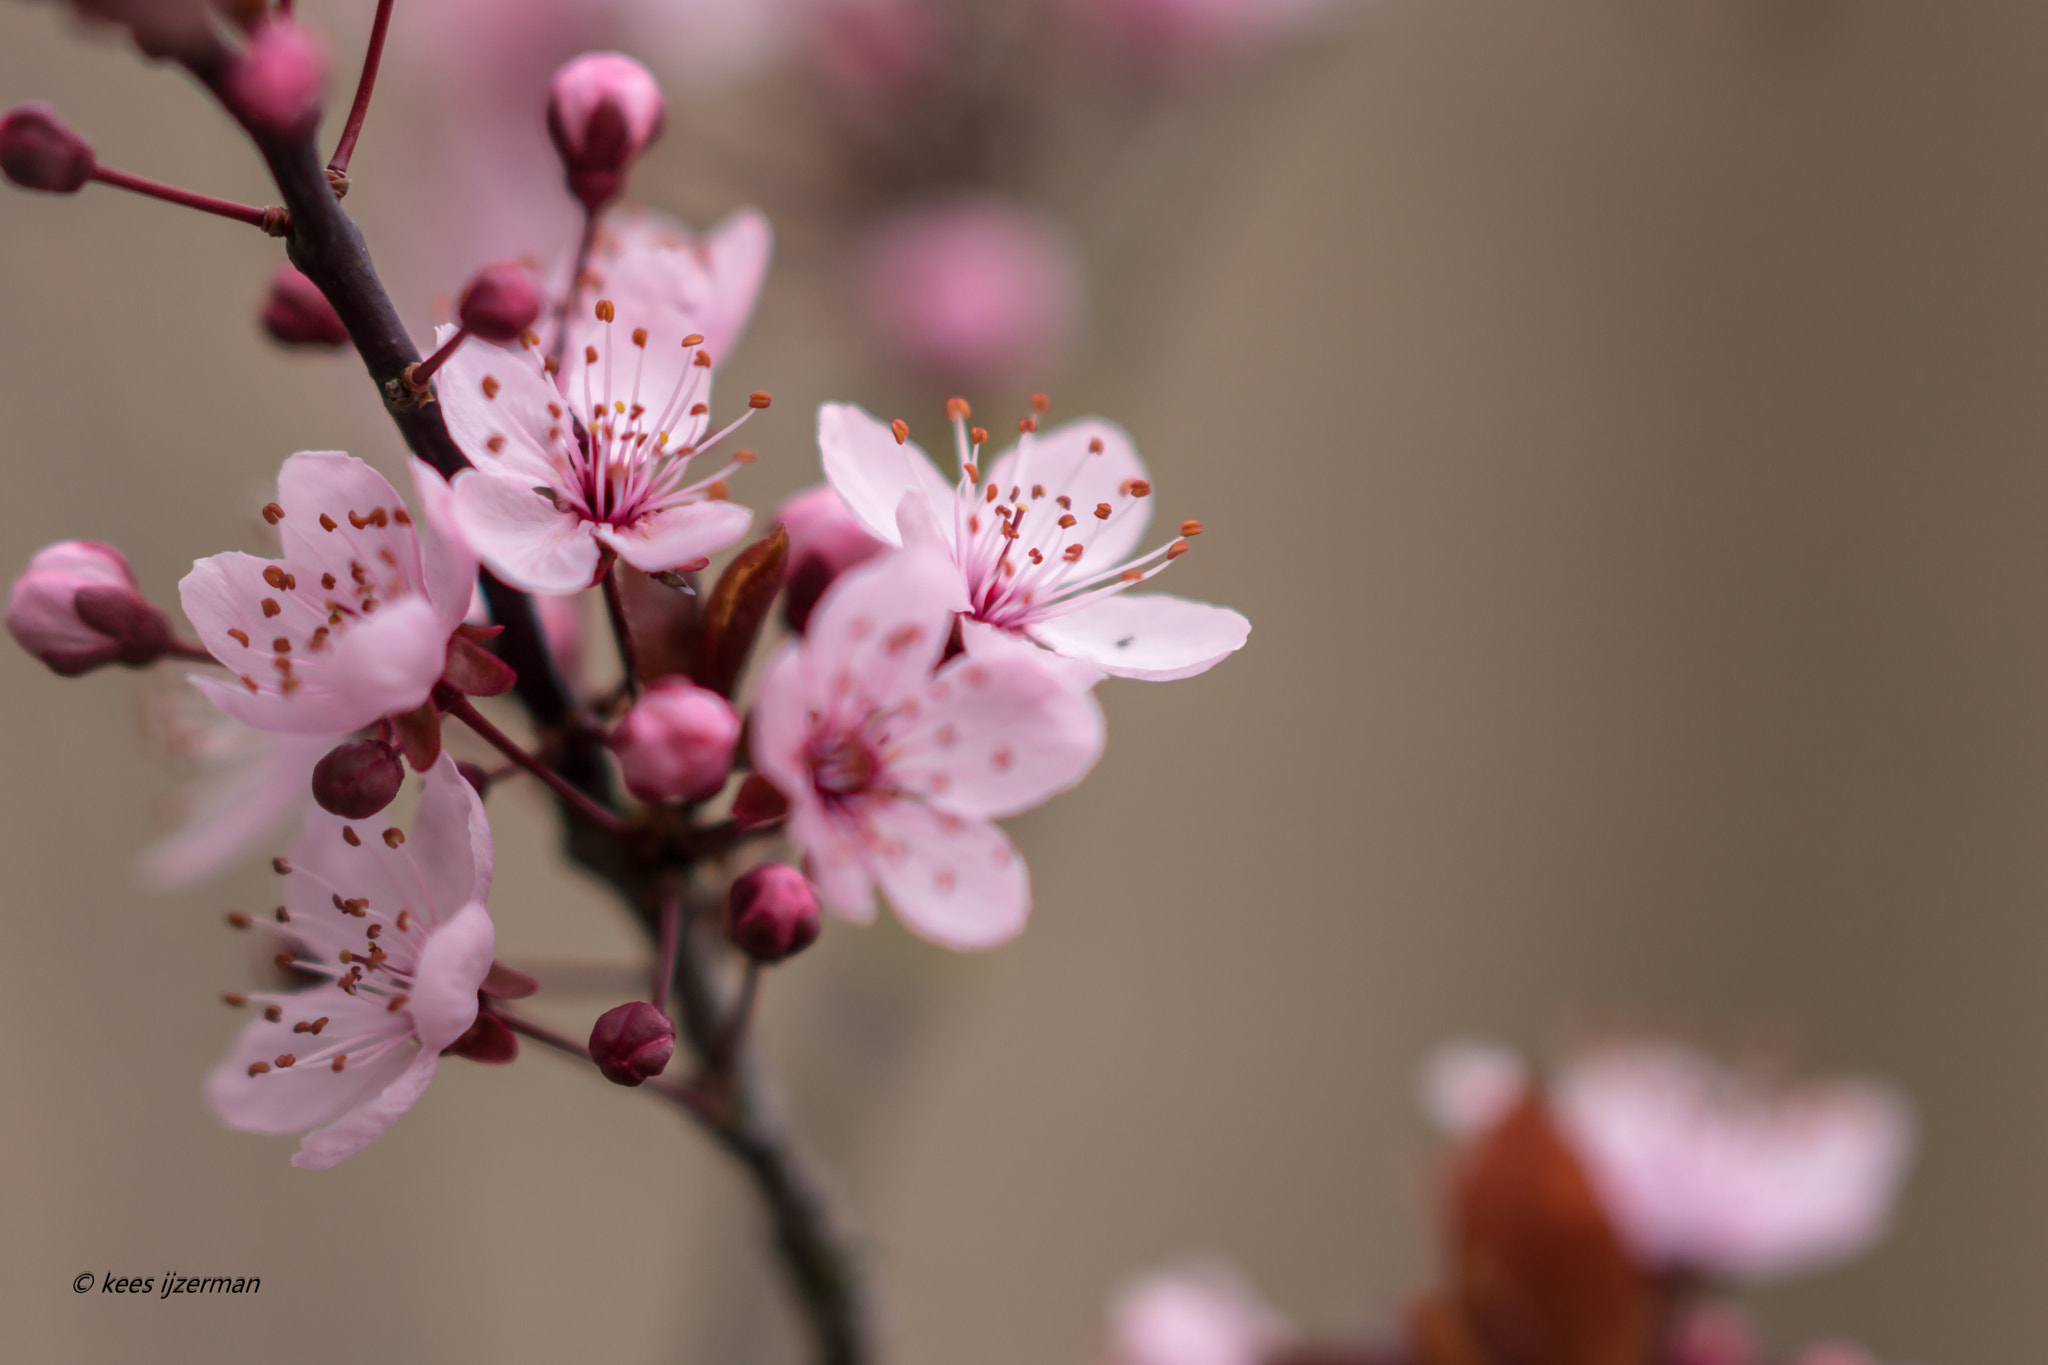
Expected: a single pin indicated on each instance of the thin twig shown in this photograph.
(666, 947)
(622, 629)
(737, 1017)
(570, 296)
(464, 710)
(353, 129)
(171, 194)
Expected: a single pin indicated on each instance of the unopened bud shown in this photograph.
(824, 542)
(274, 85)
(677, 742)
(604, 108)
(77, 607)
(632, 1043)
(296, 313)
(772, 912)
(357, 779)
(500, 303)
(38, 152)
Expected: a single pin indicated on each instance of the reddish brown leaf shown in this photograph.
(737, 607)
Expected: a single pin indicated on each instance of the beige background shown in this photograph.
(1624, 429)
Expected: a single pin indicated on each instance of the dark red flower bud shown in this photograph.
(296, 313)
(603, 110)
(632, 1043)
(772, 912)
(38, 152)
(358, 779)
(501, 302)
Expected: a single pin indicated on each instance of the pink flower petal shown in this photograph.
(389, 662)
(872, 474)
(448, 563)
(676, 535)
(1204, 1314)
(238, 811)
(999, 735)
(499, 406)
(879, 630)
(1153, 636)
(451, 968)
(956, 882)
(451, 840)
(1060, 461)
(521, 536)
(363, 1125)
(292, 1100)
(836, 857)
(781, 724)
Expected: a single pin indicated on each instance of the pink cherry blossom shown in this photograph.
(1043, 545)
(894, 774)
(352, 622)
(1169, 35)
(1200, 1315)
(710, 283)
(602, 465)
(395, 927)
(1710, 1171)
(976, 289)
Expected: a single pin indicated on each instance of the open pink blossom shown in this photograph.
(394, 925)
(1200, 1315)
(352, 622)
(1044, 543)
(1709, 1171)
(564, 478)
(894, 774)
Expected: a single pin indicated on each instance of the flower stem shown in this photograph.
(464, 710)
(734, 1031)
(171, 194)
(666, 948)
(417, 376)
(622, 629)
(695, 1101)
(584, 246)
(374, 54)
(186, 649)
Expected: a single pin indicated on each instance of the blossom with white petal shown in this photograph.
(1707, 1170)
(895, 774)
(1043, 545)
(564, 478)
(352, 622)
(394, 925)
(1200, 1315)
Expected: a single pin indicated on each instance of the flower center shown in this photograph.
(843, 766)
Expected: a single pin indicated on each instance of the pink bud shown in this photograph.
(978, 289)
(677, 742)
(772, 912)
(274, 85)
(358, 779)
(500, 303)
(824, 542)
(604, 108)
(632, 1043)
(296, 313)
(77, 607)
(38, 152)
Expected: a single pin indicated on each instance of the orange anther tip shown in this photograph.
(901, 429)
(1040, 402)
(758, 400)
(1191, 528)
(978, 435)
(957, 410)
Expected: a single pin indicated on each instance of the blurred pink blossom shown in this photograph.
(1710, 1171)
(250, 787)
(1467, 1085)
(1168, 34)
(1198, 1315)
(980, 289)
(824, 541)
(895, 774)
(399, 969)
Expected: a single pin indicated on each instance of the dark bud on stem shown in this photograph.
(604, 108)
(500, 303)
(772, 912)
(38, 152)
(296, 313)
(358, 779)
(632, 1043)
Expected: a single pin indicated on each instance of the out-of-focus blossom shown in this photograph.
(500, 302)
(1199, 1315)
(1175, 34)
(710, 282)
(394, 927)
(604, 109)
(296, 313)
(677, 742)
(77, 607)
(824, 542)
(353, 623)
(895, 775)
(545, 500)
(1713, 1172)
(1713, 1334)
(1835, 1353)
(976, 289)
(1467, 1085)
(1042, 545)
(39, 151)
(877, 57)
(252, 785)
(274, 84)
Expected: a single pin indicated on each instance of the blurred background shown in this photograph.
(1620, 420)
